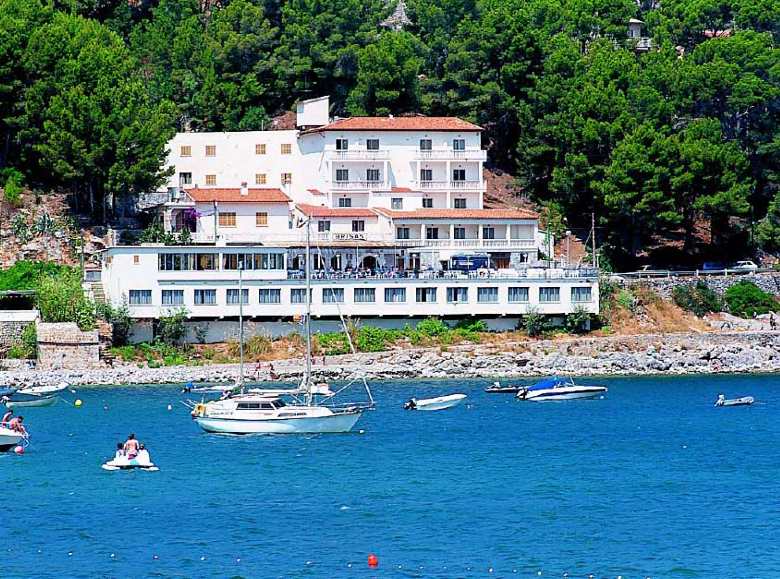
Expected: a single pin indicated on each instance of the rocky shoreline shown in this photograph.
(676, 354)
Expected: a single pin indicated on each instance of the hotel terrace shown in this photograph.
(394, 207)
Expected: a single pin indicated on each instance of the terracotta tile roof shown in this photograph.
(398, 124)
(321, 211)
(205, 195)
(455, 214)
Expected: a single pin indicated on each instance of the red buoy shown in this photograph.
(373, 560)
(19, 450)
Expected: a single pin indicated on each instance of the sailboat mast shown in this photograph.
(241, 323)
(307, 376)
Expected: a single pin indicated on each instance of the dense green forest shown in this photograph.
(661, 144)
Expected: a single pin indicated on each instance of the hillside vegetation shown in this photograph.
(657, 143)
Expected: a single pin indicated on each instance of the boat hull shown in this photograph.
(31, 401)
(9, 439)
(442, 403)
(334, 423)
(563, 394)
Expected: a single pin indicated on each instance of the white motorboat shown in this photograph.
(9, 438)
(35, 396)
(559, 389)
(308, 409)
(744, 401)
(438, 403)
(124, 463)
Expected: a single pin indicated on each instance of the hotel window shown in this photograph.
(345, 202)
(185, 179)
(372, 144)
(230, 261)
(364, 295)
(426, 295)
(298, 296)
(270, 296)
(342, 175)
(395, 295)
(323, 226)
(211, 179)
(397, 203)
(549, 295)
(260, 149)
(205, 297)
(581, 294)
(457, 295)
(232, 297)
(175, 261)
(358, 226)
(205, 261)
(431, 233)
(488, 232)
(427, 203)
(186, 151)
(286, 149)
(211, 150)
(136, 259)
(140, 297)
(459, 232)
(372, 175)
(459, 144)
(426, 144)
(173, 297)
(459, 203)
(402, 233)
(286, 178)
(261, 219)
(487, 295)
(227, 219)
(333, 295)
(518, 295)
(342, 144)
(459, 174)
(260, 179)
(426, 174)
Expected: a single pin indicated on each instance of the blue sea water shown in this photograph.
(650, 481)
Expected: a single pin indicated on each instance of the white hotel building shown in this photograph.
(395, 206)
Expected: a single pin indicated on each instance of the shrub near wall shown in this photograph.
(699, 298)
(746, 299)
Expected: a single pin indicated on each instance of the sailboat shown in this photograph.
(308, 409)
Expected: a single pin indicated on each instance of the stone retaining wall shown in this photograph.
(12, 324)
(769, 282)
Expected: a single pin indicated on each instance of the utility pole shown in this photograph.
(593, 238)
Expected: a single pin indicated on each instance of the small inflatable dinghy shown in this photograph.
(440, 403)
(744, 401)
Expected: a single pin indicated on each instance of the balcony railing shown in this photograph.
(451, 185)
(358, 155)
(452, 155)
(356, 185)
(469, 243)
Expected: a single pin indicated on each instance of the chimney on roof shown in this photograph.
(313, 112)
(244, 189)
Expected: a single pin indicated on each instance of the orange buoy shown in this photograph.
(373, 560)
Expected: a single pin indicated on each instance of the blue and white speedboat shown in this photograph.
(557, 388)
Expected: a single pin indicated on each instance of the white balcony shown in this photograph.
(358, 155)
(451, 185)
(452, 155)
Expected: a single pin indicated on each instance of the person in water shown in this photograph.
(143, 455)
(17, 425)
(131, 447)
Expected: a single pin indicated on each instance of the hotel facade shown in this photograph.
(393, 208)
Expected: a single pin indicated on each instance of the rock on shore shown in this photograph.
(735, 352)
